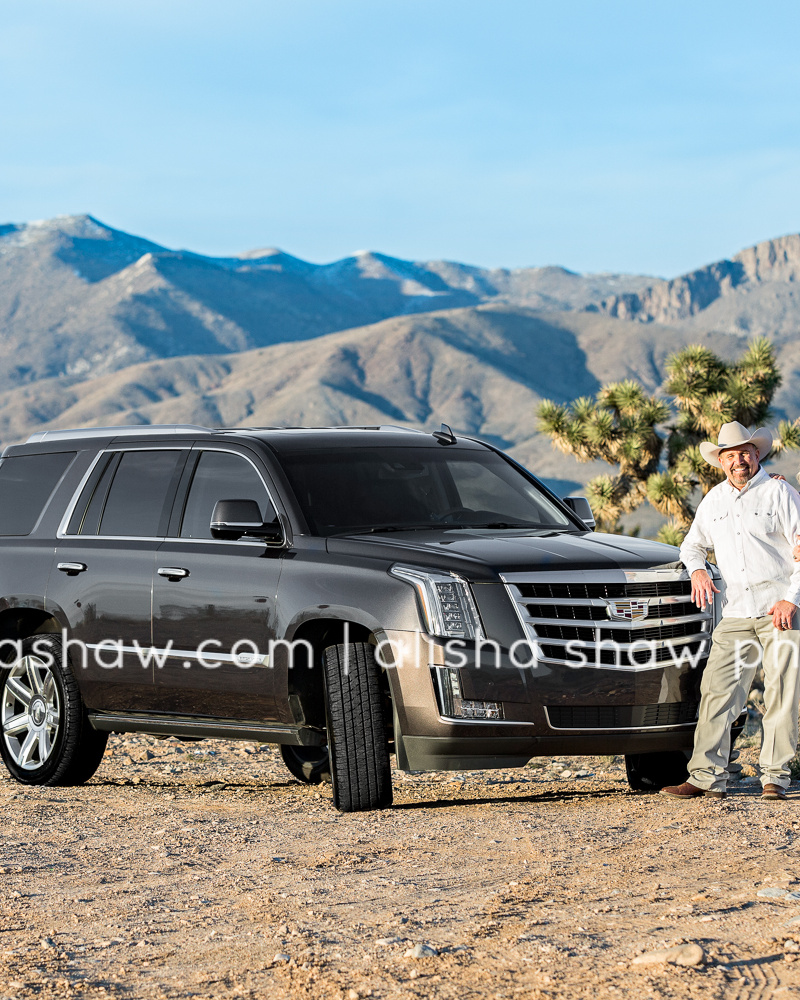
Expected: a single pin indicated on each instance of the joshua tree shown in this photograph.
(654, 439)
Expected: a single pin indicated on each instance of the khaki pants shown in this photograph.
(738, 646)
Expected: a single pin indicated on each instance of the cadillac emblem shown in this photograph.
(627, 611)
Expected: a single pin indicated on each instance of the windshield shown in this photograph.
(395, 488)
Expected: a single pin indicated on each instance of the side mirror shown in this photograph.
(233, 518)
(580, 506)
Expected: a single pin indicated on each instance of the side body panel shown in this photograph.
(108, 602)
(227, 597)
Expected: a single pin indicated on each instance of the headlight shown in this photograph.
(446, 601)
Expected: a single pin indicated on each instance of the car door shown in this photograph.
(214, 601)
(103, 573)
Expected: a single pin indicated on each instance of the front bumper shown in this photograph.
(548, 708)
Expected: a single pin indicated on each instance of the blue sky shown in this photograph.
(650, 137)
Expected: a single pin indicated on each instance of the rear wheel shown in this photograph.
(357, 742)
(46, 735)
(311, 765)
(650, 772)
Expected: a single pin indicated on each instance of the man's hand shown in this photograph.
(703, 589)
(782, 614)
(775, 475)
(796, 549)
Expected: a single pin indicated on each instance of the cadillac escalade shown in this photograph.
(347, 592)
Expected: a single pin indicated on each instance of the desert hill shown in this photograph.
(482, 369)
(101, 327)
(755, 292)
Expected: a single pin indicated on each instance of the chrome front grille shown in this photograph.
(586, 589)
(630, 620)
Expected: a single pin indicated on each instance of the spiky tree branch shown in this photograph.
(620, 426)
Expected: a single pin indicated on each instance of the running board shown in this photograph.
(200, 728)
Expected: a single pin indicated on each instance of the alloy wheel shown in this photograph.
(31, 712)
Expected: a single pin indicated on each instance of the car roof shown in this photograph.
(279, 438)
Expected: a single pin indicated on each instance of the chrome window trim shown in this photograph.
(230, 451)
(62, 528)
(215, 541)
(61, 533)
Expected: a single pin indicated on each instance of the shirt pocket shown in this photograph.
(763, 522)
(720, 524)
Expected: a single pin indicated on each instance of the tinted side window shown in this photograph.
(86, 515)
(137, 495)
(26, 484)
(221, 475)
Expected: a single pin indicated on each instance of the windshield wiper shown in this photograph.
(394, 527)
(441, 526)
(502, 524)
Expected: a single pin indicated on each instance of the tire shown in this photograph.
(45, 734)
(357, 743)
(311, 765)
(650, 772)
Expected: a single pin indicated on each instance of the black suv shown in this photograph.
(345, 592)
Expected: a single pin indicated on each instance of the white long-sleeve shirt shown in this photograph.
(752, 532)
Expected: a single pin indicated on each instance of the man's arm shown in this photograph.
(790, 528)
(796, 539)
(696, 544)
(693, 556)
(783, 611)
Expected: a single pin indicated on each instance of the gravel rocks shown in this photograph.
(495, 885)
(422, 950)
(680, 954)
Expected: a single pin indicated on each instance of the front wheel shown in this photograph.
(47, 738)
(650, 772)
(357, 739)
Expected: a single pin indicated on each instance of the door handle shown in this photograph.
(172, 572)
(72, 568)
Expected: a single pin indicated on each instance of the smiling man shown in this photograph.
(750, 521)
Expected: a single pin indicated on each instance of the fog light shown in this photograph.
(456, 707)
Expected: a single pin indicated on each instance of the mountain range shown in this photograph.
(80, 298)
(101, 327)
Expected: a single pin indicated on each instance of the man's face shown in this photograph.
(739, 464)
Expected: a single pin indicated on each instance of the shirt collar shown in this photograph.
(759, 477)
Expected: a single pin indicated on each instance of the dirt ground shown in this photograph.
(206, 870)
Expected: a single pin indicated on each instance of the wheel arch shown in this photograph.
(20, 621)
(304, 680)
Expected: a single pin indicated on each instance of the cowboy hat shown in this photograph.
(734, 435)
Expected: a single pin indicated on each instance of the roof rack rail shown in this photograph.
(323, 427)
(135, 430)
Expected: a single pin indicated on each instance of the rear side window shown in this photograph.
(138, 493)
(26, 484)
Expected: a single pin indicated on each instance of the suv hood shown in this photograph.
(485, 553)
